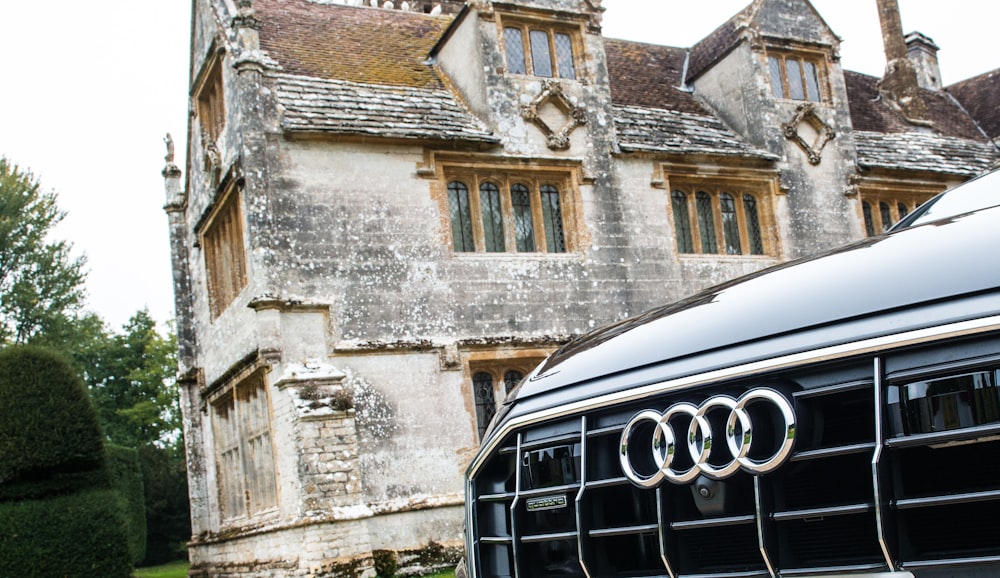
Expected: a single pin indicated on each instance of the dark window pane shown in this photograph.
(730, 225)
(541, 58)
(486, 405)
(706, 223)
(812, 81)
(511, 379)
(555, 241)
(775, 66)
(515, 50)
(866, 208)
(795, 90)
(883, 209)
(461, 217)
(489, 199)
(524, 227)
(682, 222)
(753, 225)
(564, 56)
(903, 210)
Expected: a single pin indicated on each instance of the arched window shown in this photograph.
(730, 224)
(524, 225)
(461, 217)
(489, 199)
(886, 214)
(486, 406)
(753, 225)
(706, 222)
(682, 222)
(866, 208)
(555, 240)
(511, 378)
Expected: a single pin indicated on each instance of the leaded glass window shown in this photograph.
(795, 77)
(730, 226)
(514, 41)
(886, 215)
(564, 55)
(753, 225)
(709, 219)
(706, 222)
(555, 240)
(510, 379)
(489, 200)
(486, 405)
(515, 213)
(541, 58)
(866, 208)
(682, 222)
(902, 209)
(524, 228)
(461, 217)
(539, 51)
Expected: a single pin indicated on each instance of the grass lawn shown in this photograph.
(171, 570)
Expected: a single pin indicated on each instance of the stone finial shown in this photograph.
(170, 169)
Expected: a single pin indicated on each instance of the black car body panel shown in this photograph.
(883, 359)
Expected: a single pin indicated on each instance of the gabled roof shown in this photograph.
(355, 44)
(980, 95)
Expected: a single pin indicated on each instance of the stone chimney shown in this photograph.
(923, 54)
(899, 86)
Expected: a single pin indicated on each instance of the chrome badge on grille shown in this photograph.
(759, 431)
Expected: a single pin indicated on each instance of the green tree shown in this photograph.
(41, 285)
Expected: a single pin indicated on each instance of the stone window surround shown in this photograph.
(221, 236)
(762, 184)
(209, 97)
(566, 177)
(540, 23)
(872, 195)
(497, 364)
(254, 491)
(798, 54)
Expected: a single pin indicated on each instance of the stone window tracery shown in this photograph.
(717, 219)
(539, 50)
(501, 212)
(881, 209)
(492, 381)
(796, 76)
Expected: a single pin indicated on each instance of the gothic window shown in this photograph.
(225, 257)
(516, 213)
(492, 381)
(241, 425)
(881, 209)
(726, 219)
(795, 76)
(538, 50)
(211, 104)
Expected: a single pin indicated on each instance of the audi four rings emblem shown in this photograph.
(663, 441)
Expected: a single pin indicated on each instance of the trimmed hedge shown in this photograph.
(48, 425)
(126, 477)
(81, 535)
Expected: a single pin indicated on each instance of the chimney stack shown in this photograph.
(899, 86)
(923, 54)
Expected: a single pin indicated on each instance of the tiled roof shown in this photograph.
(336, 42)
(648, 75)
(675, 132)
(980, 96)
(869, 113)
(714, 46)
(918, 151)
(339, 107)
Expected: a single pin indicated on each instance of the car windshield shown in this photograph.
(976, 194)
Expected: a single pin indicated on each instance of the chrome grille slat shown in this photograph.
(863, 514)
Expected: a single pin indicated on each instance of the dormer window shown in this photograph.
(796, 76)
(539, 51)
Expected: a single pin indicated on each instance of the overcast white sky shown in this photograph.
(90, 89)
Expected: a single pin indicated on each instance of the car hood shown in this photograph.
(926, 263)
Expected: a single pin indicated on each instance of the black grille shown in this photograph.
(853, 497)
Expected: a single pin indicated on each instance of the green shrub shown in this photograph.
(126, 477)
(80, 535)
(45, 406)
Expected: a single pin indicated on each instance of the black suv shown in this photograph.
(834, 416)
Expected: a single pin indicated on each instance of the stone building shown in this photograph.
(390, 214)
